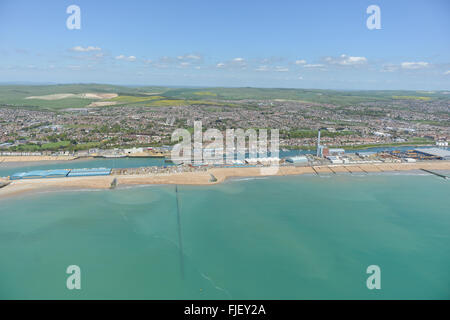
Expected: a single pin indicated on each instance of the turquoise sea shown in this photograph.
(296, 237)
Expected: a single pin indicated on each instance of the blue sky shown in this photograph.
(299, 44)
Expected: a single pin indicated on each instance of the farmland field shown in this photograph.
(56, 97)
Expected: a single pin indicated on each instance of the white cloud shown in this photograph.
(414, 65)
(85, 49)
(190, 56)
(300, 62)
(234, 63)
(345, 60)
(129, 58)
(314, 65)
(262, 68)
(389, 68)
(281, 69)
(161, 65)
(447, 72)
(265, 68)
(238, 62)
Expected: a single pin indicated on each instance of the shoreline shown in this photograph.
(17, 187)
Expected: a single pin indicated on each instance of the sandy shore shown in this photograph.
(204, 177)
(4, 159)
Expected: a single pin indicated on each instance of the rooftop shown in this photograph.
(434, 151)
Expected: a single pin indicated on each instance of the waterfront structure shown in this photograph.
(336, 152)
(40, 174)
(61, 173)
(366, 154)
(263, 160)
(89, 172)
(335, 160)
(297, 159)
(319, 152)
(441, 154)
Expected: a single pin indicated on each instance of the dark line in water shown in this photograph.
(180, 241)
(435, 173)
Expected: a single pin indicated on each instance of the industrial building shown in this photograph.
(366, 154)
(264, 160)
(335, 160)
(441, 154)
(336, 152)
(297, 159)
(323, 151)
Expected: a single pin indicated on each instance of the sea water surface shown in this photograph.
(296, 237)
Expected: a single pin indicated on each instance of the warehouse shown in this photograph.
(297, 159)
(336, 152)
(441, 154)
(335, 160)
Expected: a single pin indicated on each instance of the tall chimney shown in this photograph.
(318, 144)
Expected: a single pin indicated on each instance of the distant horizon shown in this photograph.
(32, 83)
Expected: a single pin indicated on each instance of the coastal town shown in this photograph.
(117, 130)
(325, 161)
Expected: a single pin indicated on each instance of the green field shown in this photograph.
(16, 96)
